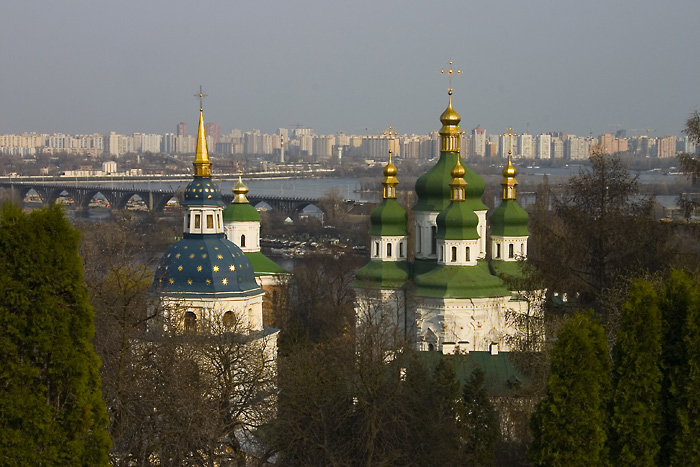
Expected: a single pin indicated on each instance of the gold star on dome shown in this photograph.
(166, 267)
(179, 268)
(177, 256)
(189, 281)
(216, 247)
(171, 280)
(216, 268)
(224, 281)
(208, 282)
(192, 256)
(201, 247)
(232, 268)
(185, 247)
(199, 268)
(219, 256)
(204, 256)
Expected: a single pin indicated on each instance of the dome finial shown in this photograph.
(389, 182)
(458, 185)
(240, 190)
(202, 164)
(450, 132)
(509, 182)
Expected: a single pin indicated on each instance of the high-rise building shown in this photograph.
(524, 149)
(557, 150)
(543, 146)
(181, 129)
(213, 131)
(478, 142)
(666, 147)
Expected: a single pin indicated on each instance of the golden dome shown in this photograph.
(450, 117)
(239, 190)
(458, 171)
(509, 170)
(390, 169)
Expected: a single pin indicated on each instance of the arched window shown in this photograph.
(511, 252)
(210, 221)
(242, 241)
(388, 250)
(498, 250)
(376, 248)
(454, 254)
(229, 319)
(433, 239)
(468, 254)
(522, 249)
(190, 322)
(400, 249)
(197, 221)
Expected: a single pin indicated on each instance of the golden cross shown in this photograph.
(201, 97)
(450, 72)
(510, 136)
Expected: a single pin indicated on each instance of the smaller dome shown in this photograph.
(390, 169)
(509, 220)
(509, 171)
(388, 218)
(457, 222)
(202, 191)
(241, 212)
(458, 171)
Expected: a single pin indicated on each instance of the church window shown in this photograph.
(468, 254)
(400, 249)
(388, 250)
(210, 221)
(498, 250)
(454, 254)
(442, 253)
(197, 221)
(511, 251)
(218, 220)
(418, 239)
(190, 322)
(433, 239)
(228, 319)
(522, 249)
(376, 249)
(431, 347)
(242, 241)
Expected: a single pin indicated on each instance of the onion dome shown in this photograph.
(457, 221)
(202, 191)
(509, 182)
(241, 210)
(509, 220)
(450, 132)
(382, 275)
(389, 182)
(205, 266)
(389, 218)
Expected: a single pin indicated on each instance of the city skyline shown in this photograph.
(128, 67)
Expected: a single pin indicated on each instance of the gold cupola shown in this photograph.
(202, 164)
(389, 182)
(450, 132)
(240, 190)
(509, 182)
(458, 185)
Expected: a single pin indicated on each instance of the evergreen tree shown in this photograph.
(687, 444)
(674, 301)
(480, 422)
(637, 380)
(449, 410)
(51, 408)
(570, 424)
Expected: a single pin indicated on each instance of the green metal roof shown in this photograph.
(264, 266)
(457, 222)
(382, 275)
(509, 220)
(460, 282)
(501, 377)
(388, 218)
(241, 212)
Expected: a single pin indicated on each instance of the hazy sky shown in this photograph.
(355, 66)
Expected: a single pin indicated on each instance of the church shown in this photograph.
(452, 296)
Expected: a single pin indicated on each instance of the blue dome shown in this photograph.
(202, 191)
(203, 266)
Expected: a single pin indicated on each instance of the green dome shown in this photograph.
(457, 222)
(202, 191)
(509, 220)
(388, 218)
(382, 275)
(460, 282)
(202, 266)
(264, 266)
(241, 212)
(433, 187)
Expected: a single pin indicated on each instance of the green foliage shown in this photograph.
(51, 409)
(570, 424)
(636, 420)
(481, 427)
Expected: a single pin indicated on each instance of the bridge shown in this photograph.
(154, 199)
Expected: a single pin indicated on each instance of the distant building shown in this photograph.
(181, 129)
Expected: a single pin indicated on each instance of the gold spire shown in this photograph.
(389, 182)
(239, 190)
(202, 164)
(458, 185)
(450, 132)
(509, 182)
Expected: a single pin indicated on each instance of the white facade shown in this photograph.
(389, 248)
(246, 235)
(508, 248)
